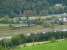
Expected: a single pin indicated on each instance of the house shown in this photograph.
(64, 19)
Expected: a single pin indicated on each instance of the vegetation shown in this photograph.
(33, 7)
(60, 45)
(16, 19)
(21, 39)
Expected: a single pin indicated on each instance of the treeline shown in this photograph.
(21, 39)
(38, 7)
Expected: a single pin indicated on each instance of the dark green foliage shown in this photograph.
(47, 36)
(14, 7)
(38, 7)
(14, 41)
(21, 39)
(18, 39)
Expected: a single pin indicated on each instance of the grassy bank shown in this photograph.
(60, 45)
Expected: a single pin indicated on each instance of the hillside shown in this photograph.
(33, 7)
(61, 45)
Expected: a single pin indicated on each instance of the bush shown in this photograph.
(21, 39)
(18, 39)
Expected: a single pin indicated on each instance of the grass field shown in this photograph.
(60, 45)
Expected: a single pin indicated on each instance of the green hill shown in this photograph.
(61, 45)
(38, 7)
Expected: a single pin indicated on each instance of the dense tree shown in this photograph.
(38, 7)
(14, 7)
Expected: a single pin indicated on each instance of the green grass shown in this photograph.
(61, 45)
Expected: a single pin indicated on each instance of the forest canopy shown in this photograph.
(36, 7)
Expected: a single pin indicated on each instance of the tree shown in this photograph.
(18, 39)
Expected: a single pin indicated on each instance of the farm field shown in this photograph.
(60, 45)
(5, 30)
